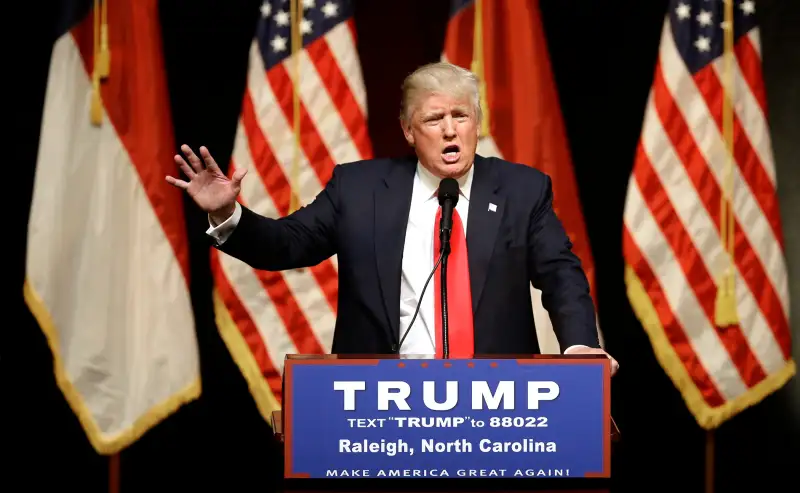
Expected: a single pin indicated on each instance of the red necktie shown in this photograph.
(459, 293)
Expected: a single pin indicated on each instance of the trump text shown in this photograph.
(481, 395)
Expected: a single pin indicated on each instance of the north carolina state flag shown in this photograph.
(107, 254)
(525, 123)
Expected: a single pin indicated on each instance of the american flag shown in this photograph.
(262, 316)
(679, 232)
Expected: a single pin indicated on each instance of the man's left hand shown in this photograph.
(591, 350)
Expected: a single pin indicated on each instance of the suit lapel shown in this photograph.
(482, 224)
(392, 206)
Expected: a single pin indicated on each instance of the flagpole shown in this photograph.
(101, 70)
(478, 67)
(725, 312)
(296, 14)
(709, 461)
(113, 473)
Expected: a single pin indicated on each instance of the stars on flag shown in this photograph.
(705, 19)
(278, 12)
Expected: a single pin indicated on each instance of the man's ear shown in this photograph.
(407, 133)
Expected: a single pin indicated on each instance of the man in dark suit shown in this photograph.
(381, 218)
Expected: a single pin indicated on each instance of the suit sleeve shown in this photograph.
(557, 272)
(302, 239)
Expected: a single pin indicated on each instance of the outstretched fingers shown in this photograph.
(188, 171)
(197, 165)
(212, 165)
(176, 182)
(238, 175)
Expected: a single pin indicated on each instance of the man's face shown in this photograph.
(444, 133)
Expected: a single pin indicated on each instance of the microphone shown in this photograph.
(448, 198)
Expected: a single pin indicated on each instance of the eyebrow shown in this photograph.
(456, 109)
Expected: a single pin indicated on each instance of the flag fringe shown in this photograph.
(104, 444)
(706, 416)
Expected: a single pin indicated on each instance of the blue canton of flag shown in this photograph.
(697, 27)
(274, 31)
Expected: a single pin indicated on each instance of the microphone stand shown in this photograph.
(443, 283)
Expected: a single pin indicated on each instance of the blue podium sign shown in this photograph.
(543, 417)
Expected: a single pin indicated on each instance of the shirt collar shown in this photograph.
(430, 183)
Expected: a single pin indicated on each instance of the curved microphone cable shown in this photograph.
(421, 297)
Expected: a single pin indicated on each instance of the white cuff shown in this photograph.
(576, 346)
(223, 231)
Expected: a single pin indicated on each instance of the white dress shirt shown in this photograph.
(418, 258)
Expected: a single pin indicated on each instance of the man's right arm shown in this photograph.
(301, 239)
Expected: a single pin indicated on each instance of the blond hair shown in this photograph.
(439, 78)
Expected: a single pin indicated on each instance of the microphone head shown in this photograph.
(448, 189)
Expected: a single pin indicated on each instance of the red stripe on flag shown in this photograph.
(312, 144)
(267, 166)
(342, 97)
(673, 329)
(750, 66)
(351, 26)
(137, 105)
(749, 164)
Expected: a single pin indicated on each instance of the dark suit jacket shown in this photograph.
(361, 216)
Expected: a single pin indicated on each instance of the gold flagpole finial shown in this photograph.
(725, 313)
(478, 66)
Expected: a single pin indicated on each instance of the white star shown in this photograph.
(308, 4)
(724, 25)
(282, 18)
(683, 11)
(330, 9)
(266, 9)
(278, 44)
(704, 18)
(703, 43)
(748, 7)
(305, 26)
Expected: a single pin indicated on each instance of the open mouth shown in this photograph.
(451, 154)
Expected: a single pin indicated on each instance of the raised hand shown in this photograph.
(208, 186)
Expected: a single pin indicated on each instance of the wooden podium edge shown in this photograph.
(277, 424)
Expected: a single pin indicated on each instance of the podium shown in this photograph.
(387, 417)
